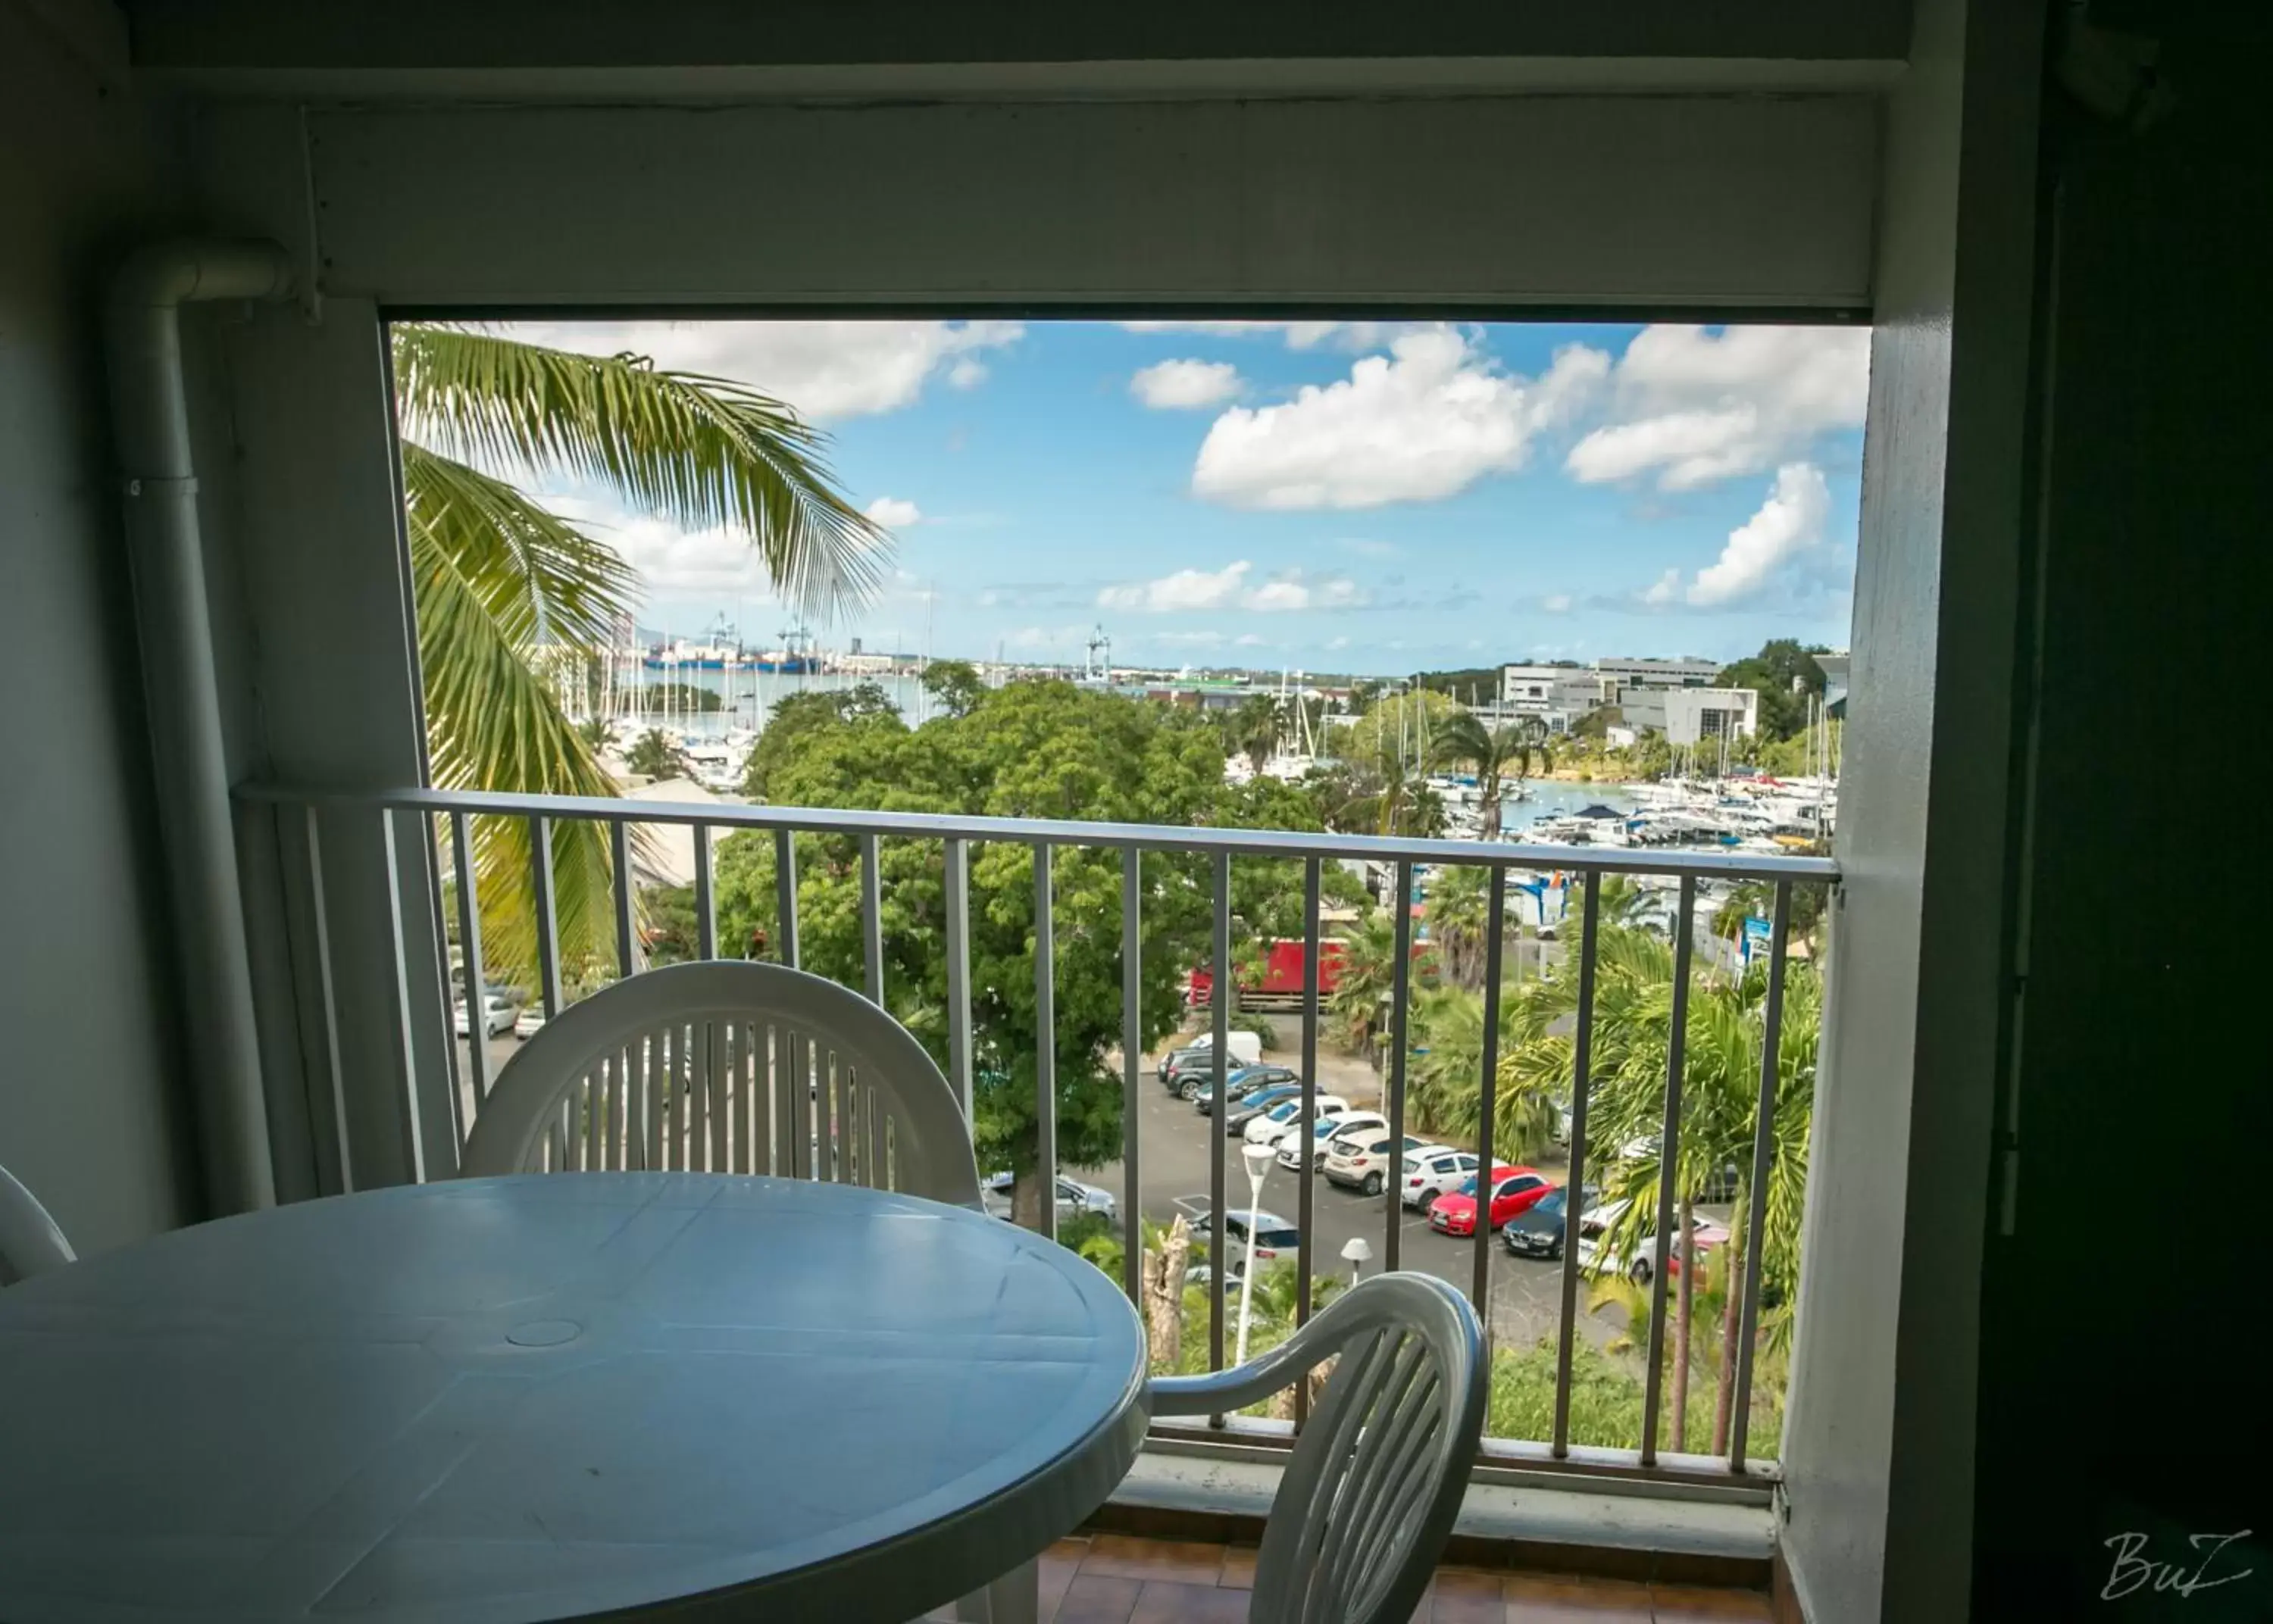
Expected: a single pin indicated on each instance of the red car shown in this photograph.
(1514, 1190)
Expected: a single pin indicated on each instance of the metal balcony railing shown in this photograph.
(438, 825)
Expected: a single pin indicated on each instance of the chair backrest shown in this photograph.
(1369, 1498)
(728, 1066)
(30, 1243)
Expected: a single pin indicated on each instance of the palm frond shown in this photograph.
(489, 568)
(702, 452)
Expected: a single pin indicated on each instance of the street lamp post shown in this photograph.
(1356, 1254)
(1258, 1159)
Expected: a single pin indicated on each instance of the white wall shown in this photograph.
(1879, 1435)
(92, 1115)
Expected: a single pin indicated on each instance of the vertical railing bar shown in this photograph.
(469, 955)
(1046, 1043)
(548, 949)
(1306, 1118)
(329, 1000)
(1669, 1156)
(705, 896)
(1488, 1099)
(462, 1099)
(413, 1139)
(1763, 1163)
(785, 895)
(957, 860)
(1401, 995)
(1132, 1061)
(1581, 1061)
(1220, 1069)
(872, 920)
(620, 857)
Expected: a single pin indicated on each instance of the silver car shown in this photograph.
(1074, 1199)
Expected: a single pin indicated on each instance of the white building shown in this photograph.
(1659, 673)
(1692, 715)
(1559, 694)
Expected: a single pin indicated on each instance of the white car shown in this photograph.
(1275, 1124)
(1433, 1170)
(528, 1022)
(1290, 1150)
(1365, 1160)
(497, 1018)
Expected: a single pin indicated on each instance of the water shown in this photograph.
(1557, 797)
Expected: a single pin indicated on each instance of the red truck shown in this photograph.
(1280, 984)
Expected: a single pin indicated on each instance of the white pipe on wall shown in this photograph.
(150, 416)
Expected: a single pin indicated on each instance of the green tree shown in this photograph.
(1784, 674)
(512, 599)
(955, 686)
(653, 755)
(1447, 1099)
(796, 715)
(1032, 750)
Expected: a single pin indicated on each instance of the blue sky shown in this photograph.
(1362, 497)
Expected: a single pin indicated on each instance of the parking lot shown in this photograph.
(1175, 1142)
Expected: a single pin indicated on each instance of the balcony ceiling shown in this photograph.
(854, 49)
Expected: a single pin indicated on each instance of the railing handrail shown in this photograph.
(1065, 832)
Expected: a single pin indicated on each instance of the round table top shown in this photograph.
(557, 1396)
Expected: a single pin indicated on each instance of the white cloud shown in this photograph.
(825, 369)
(1185, 590)
(1190, 591)
(1183, 384)
(1690, 407)
(1556, 603)
(1336, 644)
(1348, 335)
(1247, 640)
(670, 560)
(1789, 524)
(894, 512)
(1417, 425)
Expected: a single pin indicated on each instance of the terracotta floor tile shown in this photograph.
(1099, 1599)
(1678, 1603)
(1238, 1570)
(1467, 1595)
(1557, 1598)
(1054, 1573)
(1191, 1604)
(1173, 1561)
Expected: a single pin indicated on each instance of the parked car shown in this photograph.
(1271, 1127)
(1537, 1232)
(1514, 1190)
(1721, 1185)
(1200, 1090)
(1246, 1049)
(1323, 1134)
(528, 1022)
(1276, 1239)
(1246, 1110)
(1598, 1256)
(1365, 1161)
(496, 1017)
(1432, 1170)
(1074, 1198)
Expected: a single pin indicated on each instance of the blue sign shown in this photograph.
(1757, 938)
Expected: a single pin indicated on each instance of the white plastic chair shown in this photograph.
(728, 1066)
(1374, 1482)
(30, 1242)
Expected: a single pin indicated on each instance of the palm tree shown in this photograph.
(505, 587)
(653, 755)
(1448, 1076)
(1253, 728)
(1721, 1072)
(1458, 905)
(1494, 755)
(1366, 977)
